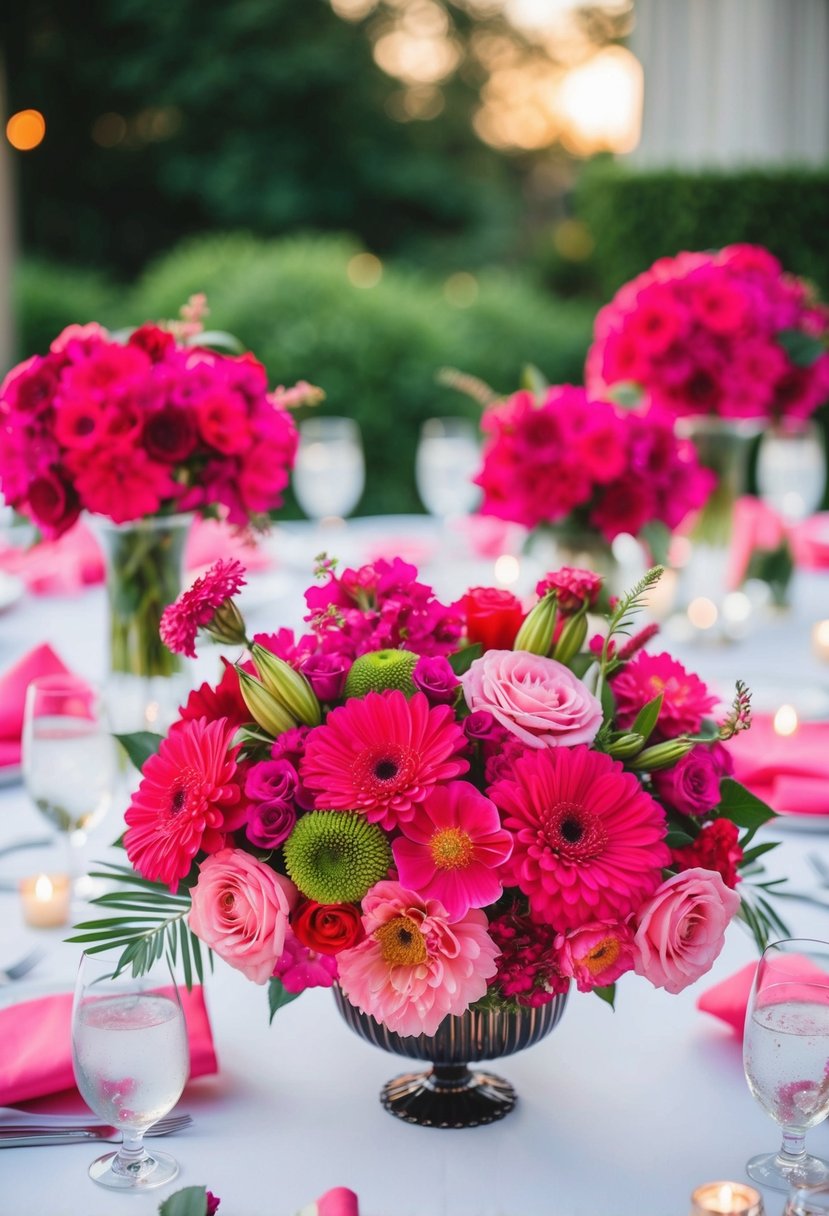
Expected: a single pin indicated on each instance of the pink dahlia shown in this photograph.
(596, 955)
(382, 755)
(196, 607)
(452, 848)
(189, 800)
(416, 965)
(589, 842)
(686, 700)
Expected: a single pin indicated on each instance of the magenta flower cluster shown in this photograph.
(569, 457)
(136, 428)
(725, 333)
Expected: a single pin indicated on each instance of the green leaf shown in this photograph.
(217, 338)
(657, 537)
(278, 996)
(647, 717)
(741, 806)
(191, 1201)
(140, 746)
(186, 964)
(462, 660)
(802, 348)
(677, 839)
(750, 855)
(608, 702)
(534, 380)
(607, 993)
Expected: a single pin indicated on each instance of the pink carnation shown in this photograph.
(299, 968)
(573, 588)
(196, 607)
(416, 966)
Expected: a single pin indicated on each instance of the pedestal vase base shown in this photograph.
(449, 1096)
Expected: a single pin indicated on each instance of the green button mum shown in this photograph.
(334, 857)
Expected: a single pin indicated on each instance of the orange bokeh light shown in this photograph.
(26, 129)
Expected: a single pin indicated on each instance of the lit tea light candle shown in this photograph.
(703, 613)
(726, 1199)
(785, 720)
(507, 570)
(820, 640)
(45, 900)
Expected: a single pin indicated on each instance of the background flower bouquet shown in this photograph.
(437, 805)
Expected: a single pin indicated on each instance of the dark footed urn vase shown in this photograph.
(450, 1093)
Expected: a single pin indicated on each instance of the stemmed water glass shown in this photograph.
(69, 763)
(329, 471)
(131, 1058)
(786, 1056)
(448, 457)
(791, 469)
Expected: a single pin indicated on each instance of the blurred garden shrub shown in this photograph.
(375, 350)
(637, 217)
(48, 297)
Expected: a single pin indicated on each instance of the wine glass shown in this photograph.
(786, 1056)
(808, 1201)
(448, 457)
(131, 1058)
(68, 754)
(329, 471)
(791, 469)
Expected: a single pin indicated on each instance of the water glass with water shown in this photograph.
(329, 471)
(448, 457)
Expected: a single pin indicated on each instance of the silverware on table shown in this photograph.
(27, 1135)
(22, 967)
(17, 845)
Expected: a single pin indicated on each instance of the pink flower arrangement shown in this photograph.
(142, 427)
(726, 333)
(445, 824)
(572, 458)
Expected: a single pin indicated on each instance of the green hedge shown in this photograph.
(636, 217)
(48, 297)
(374, 351)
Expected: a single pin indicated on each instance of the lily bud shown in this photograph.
(663, 755)
(536, 632)
(626, 745)
(269, 713)
(572, 638)
(227, 626)
(289, 687)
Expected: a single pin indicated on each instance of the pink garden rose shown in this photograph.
(537, 699)
(681, 929)
(240, 909)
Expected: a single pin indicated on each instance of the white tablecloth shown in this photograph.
(620, 1114)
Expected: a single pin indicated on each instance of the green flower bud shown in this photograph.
(227, 626)
(572, 638)
(662, 755)
(626, 745)
(536, 632)
(289, 687)
(269, 713)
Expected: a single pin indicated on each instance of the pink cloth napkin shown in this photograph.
(790, 772)
(339, 1201)
(758, 526)
(41, 661)
(36, 1045)
(728, 1000)
(74, 561)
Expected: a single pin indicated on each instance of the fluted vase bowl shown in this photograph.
(449, 1093)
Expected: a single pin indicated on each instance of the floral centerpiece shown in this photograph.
(568, 460)
(438, 806)
(138, 431)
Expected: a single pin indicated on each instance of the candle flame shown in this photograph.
(785, 720)
(822, 633)
(726, 1197)
(43, 888)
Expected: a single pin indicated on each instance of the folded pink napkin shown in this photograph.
(790, 772)
(36, 1056)
(728, 1000)
(41, 661)
(810, 542)
(339, 1201)
(755, 525)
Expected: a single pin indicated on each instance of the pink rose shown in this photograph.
(537, 699)
(240, 909)
(681, 929)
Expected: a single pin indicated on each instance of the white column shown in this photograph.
(733, 82)
(7, 241)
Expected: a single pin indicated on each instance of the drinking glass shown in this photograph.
(131, 1058)
(786, 1056)
(448, 457)
(329, 471)
(791, 469)
(808, 1201)
(69, 762)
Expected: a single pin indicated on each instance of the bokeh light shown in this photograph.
(461, 289)
(601, 103)
(364, 270)
(26, 129)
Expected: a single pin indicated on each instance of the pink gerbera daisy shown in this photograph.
(197, 607)
(452, 847)
(189, 800)
(686, 700)
(589, 843)
(381, 755)
(415, 965)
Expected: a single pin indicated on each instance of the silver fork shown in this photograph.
(27, 1135)
(22, 967)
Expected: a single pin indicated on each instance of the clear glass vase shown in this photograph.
(144, 564)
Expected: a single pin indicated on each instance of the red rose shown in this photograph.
(327, 928)
(52, 503)
(153, 341)
(170, 434)
(493, 617)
